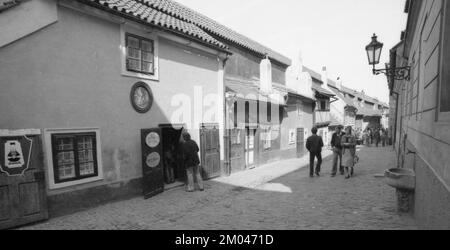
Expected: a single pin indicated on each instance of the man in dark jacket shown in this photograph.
(337, 151)
(192, 163)
(314, 144)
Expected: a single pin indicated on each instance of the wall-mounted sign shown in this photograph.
(153, 160)
(15, 153)
(152, 140)
(141, 97)
(292, 136)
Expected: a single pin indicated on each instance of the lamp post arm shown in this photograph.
(400, 73)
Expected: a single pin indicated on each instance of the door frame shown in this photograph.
(202, 147)
(255, 146)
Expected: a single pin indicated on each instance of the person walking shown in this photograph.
(377, 137)
(370, 137)
(192, 163)
(337, 152)
(314, 144)
(382, 138)
(348, 143)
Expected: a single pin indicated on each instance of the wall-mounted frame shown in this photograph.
(141, 97)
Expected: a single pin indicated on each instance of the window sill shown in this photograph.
(127, 73)
(75, 183)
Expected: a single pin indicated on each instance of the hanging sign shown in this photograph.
(15, 154)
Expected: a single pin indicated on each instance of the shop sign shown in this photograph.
(15, 154)
(153, 160)
(152, 140)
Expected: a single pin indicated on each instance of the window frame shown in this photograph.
(50, 159)
(138, 31)
(267, 140)
(443, 116)
(141, 59)
(75, 150)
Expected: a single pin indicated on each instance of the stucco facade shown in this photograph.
(422, 140)
(69, 76)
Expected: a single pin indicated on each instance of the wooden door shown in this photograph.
(250, 148)
(301, 147)
(210, 151)
(152, 167)
(23, 197)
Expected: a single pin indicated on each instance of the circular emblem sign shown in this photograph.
(152, 140)
(153, 160)
(141, 97)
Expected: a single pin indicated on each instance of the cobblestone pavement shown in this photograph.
(293, 201)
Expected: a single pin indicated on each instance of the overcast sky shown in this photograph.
(330, 33)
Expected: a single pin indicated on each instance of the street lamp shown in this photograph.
(374, 53)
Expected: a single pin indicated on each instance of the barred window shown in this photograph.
(74, 156)
(140, 54)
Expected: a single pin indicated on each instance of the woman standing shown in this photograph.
(349, 150)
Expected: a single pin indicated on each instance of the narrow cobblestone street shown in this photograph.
(293, 201)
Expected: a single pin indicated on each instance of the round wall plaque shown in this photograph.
(152, 140)
(153, 160)
(141, 97)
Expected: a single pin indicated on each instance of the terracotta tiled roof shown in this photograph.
(322, 91)
(368, 112)
(172, 15)
(313, 74)
(142, 11)
(348, 101)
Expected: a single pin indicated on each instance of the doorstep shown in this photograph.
(174, 185)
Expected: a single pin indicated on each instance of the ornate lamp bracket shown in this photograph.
(400, 73)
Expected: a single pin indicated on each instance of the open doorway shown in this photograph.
(174, 171)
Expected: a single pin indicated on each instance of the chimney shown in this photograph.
(299, 68)
(324, 76)
(339, 83)
(265, 75)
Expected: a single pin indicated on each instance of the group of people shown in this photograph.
(191, 162)
(344, 151)
(375, 136)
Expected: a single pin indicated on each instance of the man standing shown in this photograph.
(337, 151)
(314, 144)
(192, 163)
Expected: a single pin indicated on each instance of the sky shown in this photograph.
(331, 33)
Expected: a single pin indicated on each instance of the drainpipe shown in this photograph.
(226, 137)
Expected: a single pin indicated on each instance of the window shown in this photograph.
(235, 114)
(300, 109)
(74, 156)
(444, 105)
(139, 54)
(269, 112)
(323, 105)
(235, 136)
(267, 138)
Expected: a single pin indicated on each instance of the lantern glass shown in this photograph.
(374, 51)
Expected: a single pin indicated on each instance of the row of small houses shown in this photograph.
(95, 92)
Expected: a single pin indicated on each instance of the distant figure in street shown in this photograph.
(337, 151)
(370, 137)
(192, 163)
(314, 144)
(348, 143)
(384, 137)
(377, 137)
